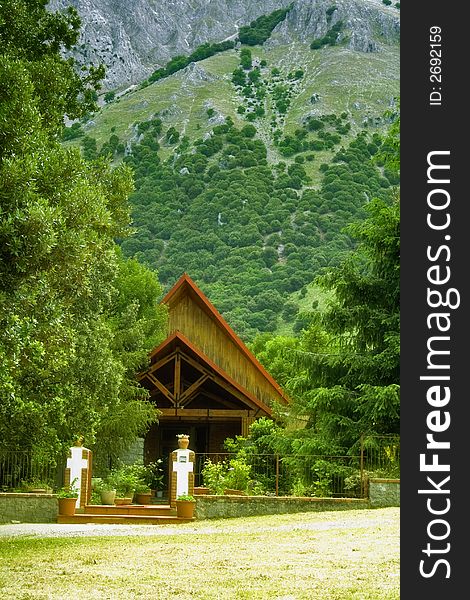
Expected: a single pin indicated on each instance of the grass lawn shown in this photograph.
(342, 555)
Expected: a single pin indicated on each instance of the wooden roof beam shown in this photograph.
(192, 389)
(225, 385)
(205, 412)
(161, 363)
(161, 388)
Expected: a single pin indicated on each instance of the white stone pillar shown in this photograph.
(181, 474)
(78, 473)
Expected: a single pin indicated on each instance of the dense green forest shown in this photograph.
(249, 232)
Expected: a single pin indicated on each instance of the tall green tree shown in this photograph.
(76, 319)
(342, 372)
(358, 391)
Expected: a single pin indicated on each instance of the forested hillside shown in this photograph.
(249, 160)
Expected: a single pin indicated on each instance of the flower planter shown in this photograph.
(40, 490)
(185, 509)
(108, 497)
(183, 443)
(122, 501)
(143, 498)
(67, 506)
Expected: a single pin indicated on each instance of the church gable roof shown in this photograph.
(192, 314)
(178, 343)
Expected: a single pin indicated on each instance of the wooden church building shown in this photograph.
(203, 378)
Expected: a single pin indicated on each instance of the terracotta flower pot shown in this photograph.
(185, 509)
(143, 498)
(67, 506)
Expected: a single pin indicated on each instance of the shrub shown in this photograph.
(109, 97)
(72, 133)
(213, 475)
(238, 474)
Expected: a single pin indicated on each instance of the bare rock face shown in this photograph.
(135, 37)
(367, 23)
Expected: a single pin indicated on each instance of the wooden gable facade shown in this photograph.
(203, 378)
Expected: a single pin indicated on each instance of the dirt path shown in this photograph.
(303, 521)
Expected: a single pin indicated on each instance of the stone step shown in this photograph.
(130, 509)
(123, 519)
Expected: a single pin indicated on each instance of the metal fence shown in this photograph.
(314, 475)
(380, 455)
(22, 469)
(296, 475)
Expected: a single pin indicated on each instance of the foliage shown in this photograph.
(351, 386)
(142, 488)
(153, 474)
(213, 474)
(31, 39)
(389, 153)
(218, 201)
(186, 498)
(125, 479)
(73, 132)
(109, 96)
(234, 473)
(100, 484)
(329, 12)
(68, 491)
(343, 371)
(330, 37)
(180, 62)
(72, 332)
(260, 29)
(34, 483)
(238, 475)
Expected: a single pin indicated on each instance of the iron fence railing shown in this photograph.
(297, 475)
(315, 475)
(22, 468)
(381, 455)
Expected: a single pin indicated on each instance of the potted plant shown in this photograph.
(185, 505)
(67, 498)
(143, 494)
(124, 481)
(105, 489)
(153, 477)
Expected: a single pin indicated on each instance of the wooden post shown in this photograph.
(246, 422)
(177, 383)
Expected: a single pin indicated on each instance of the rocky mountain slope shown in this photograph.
(249, 163)
(135, 37)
